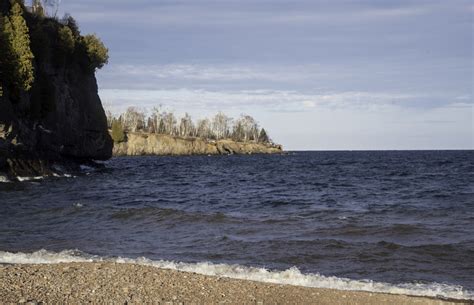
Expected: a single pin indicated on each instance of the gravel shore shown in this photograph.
(114, 283)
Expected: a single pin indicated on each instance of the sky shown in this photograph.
(318, 75)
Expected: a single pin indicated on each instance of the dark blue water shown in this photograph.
(395, 217)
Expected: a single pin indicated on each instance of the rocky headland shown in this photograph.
(139, 144)
(51, 115)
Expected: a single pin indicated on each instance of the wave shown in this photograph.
(169, 214)
(34, 178)
(4, 179)
(291, 276)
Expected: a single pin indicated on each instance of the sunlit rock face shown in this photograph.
(138, 144)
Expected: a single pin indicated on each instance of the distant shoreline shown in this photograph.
(375, 150)
(151, 144)
(124, 283)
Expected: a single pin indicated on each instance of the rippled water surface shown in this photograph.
(397, 217)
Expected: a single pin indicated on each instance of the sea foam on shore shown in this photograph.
(290, 276)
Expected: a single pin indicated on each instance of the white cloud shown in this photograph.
(309, 104)
(271, 100)
(189, 13)
(208, 72)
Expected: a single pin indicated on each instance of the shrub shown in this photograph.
(117, 132)
(66, 39)
(96, 51)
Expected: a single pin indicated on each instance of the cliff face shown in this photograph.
(59, 120)
(139, 144)
(76, 129)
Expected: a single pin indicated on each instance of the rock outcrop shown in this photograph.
(76, 130)
(60, 120)
(139, 144)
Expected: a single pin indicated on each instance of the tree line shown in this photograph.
(28, 40)
(220, 126)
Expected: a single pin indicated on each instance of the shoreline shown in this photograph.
(152, 144)
(126, 283)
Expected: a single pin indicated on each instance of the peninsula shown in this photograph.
(162, 133)
(141, 144)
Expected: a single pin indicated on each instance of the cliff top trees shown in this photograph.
(203, 129)
(54, 5)
(220, 127)
(38, 40)
(263, 137)
(186, 127)
(133, 119)
(71, 23)
(66, 39)
(96, 51)
(17, 61)
(3, 57)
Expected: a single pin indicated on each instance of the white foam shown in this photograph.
(62, 175)
(43, 257)
(290, 276)
(21, 179)
(86, 168)
(4, 179)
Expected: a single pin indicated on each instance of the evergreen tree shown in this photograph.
(263, 137)
(96, 51)
(3, 55)
(66, 39)
(71, 23)
(117, 131)
(18, 56)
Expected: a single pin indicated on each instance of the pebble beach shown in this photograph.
(119, 283)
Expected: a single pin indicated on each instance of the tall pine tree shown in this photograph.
(18, 58)
(3, 55)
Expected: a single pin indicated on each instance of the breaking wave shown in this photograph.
(21, 179)
(4, 179)
(290, 276)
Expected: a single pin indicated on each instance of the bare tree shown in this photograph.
(150, 127)
(221, 125)
(186, 127)
(155, 119)
(246, 129)
(203, 129)
(53, 5)
(169, 123)
(238, 133)
(110, 117)
(134, 119)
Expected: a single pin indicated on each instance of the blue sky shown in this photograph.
(317, 74)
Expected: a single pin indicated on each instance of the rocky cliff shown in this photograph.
(60, 119)
(138, 144)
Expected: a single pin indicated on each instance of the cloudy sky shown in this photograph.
(317, 74)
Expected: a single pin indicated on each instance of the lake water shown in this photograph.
(400, 221)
